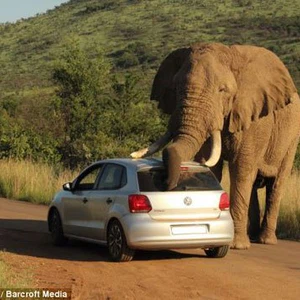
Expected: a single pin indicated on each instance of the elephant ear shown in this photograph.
(163, 88)
(264, 86)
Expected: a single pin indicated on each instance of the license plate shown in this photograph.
(189, 229)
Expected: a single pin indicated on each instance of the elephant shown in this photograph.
(234, 103)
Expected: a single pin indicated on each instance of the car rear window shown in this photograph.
(191, 180)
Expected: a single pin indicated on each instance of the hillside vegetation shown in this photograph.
(133, 38)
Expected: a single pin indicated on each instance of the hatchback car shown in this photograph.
(122, 203)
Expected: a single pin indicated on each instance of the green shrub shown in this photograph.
(23, 143)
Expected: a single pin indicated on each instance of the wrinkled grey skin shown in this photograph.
(246, 94)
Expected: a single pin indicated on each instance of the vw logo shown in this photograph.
(187, 201)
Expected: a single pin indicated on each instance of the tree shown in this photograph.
(137, 120)
(82, 86)
(102, 115)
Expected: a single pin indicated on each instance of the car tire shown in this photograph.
(56, 230)
(117, 244)
(217, 252)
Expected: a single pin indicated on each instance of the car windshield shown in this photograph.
(193, 179)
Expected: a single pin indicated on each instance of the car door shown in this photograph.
(103, 197)
(77, 213)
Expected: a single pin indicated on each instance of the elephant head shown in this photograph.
(213, 88)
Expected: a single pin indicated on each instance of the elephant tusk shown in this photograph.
(139, 153)
(216, 149)
(153, 148)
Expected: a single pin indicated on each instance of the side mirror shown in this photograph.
(67, 187)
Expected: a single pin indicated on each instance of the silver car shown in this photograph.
(122, 203)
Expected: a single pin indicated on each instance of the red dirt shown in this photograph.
(263, 272)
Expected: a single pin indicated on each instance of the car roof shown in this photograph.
(147, 163)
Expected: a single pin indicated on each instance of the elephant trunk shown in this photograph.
(185, 148)
(197, 122)
(182, 149)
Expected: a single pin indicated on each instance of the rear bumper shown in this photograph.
(142, 232)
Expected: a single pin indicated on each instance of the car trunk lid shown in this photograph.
(184, 205)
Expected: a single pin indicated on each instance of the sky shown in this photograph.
(13, 10)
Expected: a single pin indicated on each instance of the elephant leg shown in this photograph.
(267, 234)
(241, 183)
(254, 216)
(275, 187)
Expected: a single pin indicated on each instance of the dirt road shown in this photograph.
(263, 272)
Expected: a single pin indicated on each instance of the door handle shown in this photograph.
(109, 201)
(85, 200)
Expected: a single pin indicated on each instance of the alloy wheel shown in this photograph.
(115, 240)
(117, 244)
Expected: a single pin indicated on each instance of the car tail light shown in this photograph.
(139, 204)
(224, 202)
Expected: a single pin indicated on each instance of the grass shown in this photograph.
(37, 183)
(10, 278)
(289, 217)
(33, 182)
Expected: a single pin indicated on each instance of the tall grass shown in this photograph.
(28, 181)
(289, 216)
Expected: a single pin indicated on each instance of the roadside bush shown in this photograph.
(23, 143)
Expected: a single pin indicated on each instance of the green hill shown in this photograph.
(135, 36)
(138, 34)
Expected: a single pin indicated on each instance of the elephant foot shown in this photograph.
(240, 242)
(268, 237)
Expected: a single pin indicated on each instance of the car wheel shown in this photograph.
(117, 245)
(217, 252)
(56, 230)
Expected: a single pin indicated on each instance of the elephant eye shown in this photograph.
(223, 88)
